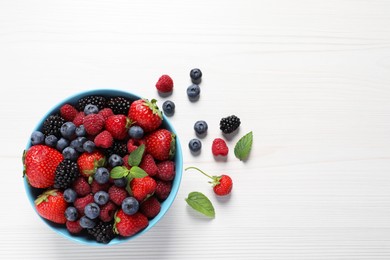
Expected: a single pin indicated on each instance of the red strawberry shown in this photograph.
(68, 112)
(79, 119)
(107, 211)
(164, 84)
(106, 112)
(150, 207)
(89, 162)
(166, 170)
(128, 225)
(80, 203)
(118, 125)
(73, 227)
(40, 163)
(142, 188)
(117, 194)
(219, 147)
(222, 185)
(161, 144)
(51, 205)
(148, 165)
(104, 139)
(81, 186)
(163, 189)
(95, 186)
(93, 123)
(146, 114)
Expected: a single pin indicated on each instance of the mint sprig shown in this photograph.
(243, 146)
(199, 202)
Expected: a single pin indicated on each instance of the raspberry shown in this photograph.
(148, 165)
(73, 227)
(131, 145)
(104, 139)
(107, 211)
(117, 195)
(81, 186)
(164, 84)
(95, 186)
(79, 118)
(126, 162)
(93, 123)
(80, 203)
(106, 113)
(166, 170)
(219, 147)
(68, 112)
(150, 207)
(163, 189)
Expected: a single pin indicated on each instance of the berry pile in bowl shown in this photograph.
(103, 167)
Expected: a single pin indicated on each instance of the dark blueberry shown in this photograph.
(196, 76)
(120, 182)
(89, 146)
(102, 175)
(101, 197)
(71, 213)
(85, 222)
(195, 145)
(70, 153)
(51, 140)
(68, 130)
(200, 127)
(37, 137)
(193, 91)
(115, 160)
(70, 195)
(130, 205)
(80, 131)
(61, 144)
(92, 210)
(91, 109)
(136, 132)
(77, 144)
(168, 107)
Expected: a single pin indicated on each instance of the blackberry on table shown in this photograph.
(229, 124)
(119, 105)
(98, 101)
(103, 232)
(52, 125)
(66, 173)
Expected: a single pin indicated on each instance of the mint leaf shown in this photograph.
(137, 172)
(243, 146)
(199, 202)
(135, 156)
(119, 172)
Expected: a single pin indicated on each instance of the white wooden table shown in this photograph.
(311, 79)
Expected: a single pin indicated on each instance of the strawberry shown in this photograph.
(128, 225)
(106, 112)
(107, 211)
(163, 189)
(222, 185)
(148, 165)
(142, 188)
(80, 203)
(117, 194)
(161, 144)
(93, 123)
(40, 163)
(79, 119)
(51, 205)
(166, 170)
(68, 112)
(81, 186)
(89, 162)
(150, 207)
(118, 125)
(164, 84)
(145, 114)
(219, 147)
(104, 139)
(73, 226)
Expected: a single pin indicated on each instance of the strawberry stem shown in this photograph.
(191, 167)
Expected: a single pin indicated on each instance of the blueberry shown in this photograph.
(130, 205)
(80, 131)
(115, 160)
(101, 197)
(68, 130)
(70, 195)
(89, 146)
(37, 137)
(71, 213)
(168, 107)
(136, 132)
(200, 127)
(193, 91)
(70, 153)
(85, 222)
(102, 175)
(51, 140)
(196, 76)
(92, 210)
(195, 145)
(61, 144)
(91, 109)
(77, 144)
(120, 182)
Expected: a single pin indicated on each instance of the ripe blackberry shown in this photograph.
(66, 173)
(229, 124)
(119, 105)
(119, 148)
(52, 125)
(103, 232)
(98, 101)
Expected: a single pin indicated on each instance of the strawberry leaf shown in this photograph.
(199, 202)
(137, 172)
(135, 156)
(119, 172)
(243, 146)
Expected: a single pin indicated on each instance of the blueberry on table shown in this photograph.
(193, 91)
(37, 137)
(200, 127)
(196, 75)
(168, 107)
(195, 145)
(136, 132)
(130, 205)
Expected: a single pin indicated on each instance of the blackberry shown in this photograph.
(103, 232)
(229, 124)
(119, 105)
(98, 101)
(119, 148)
(66, 173)
(52, 125)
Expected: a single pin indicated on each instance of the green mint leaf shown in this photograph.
(201, 203)
(243, 146)
(137, 172)
(135, 156)
(119, 172)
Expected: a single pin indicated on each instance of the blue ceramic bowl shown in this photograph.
(32, 193)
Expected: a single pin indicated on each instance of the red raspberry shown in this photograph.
(219, 147)
(163, 189)
(126, 161)
(150, 207)
(117, 195)
(106, 113)
(164, 84)
(79, 119)
(142, 188)
(104, 139)
(68, 112)
(93, 123)
(80, 203)
(81, 186)
(107, 211)
(95, 186)
(166, 170)
(133, 144)
(149, 165)
(73, 226)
